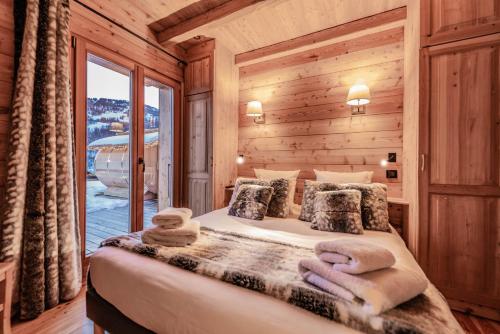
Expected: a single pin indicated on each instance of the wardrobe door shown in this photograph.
(459, 183)
(452, 20)
(199, 153)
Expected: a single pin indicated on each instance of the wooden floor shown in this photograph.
(69, 318)
(105, 223)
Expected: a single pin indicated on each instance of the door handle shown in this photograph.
(141, 162)
(422, 162)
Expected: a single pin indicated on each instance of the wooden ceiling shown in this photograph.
(257, 24)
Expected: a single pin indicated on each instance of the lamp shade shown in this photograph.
(254, 108)
(359, 95)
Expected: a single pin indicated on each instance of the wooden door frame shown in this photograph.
(138, 196)
(81, 47)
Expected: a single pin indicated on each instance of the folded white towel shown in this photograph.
(377, 291)
(172, 217)
(354, 256)
(178, 237)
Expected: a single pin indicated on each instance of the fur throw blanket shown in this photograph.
(271, 267)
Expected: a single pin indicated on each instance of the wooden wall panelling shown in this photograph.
(225, 122)
(451, 20)
(308, 124)
(361, 43)
(135, 16)
(6, 83)
(325, 34)
(196, 15)
(100, 31)
(459, 182)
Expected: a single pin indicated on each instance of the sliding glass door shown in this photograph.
(108, 176)
(127, 121)
(158, 112)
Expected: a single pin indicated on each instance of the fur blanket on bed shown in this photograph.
(270, 267)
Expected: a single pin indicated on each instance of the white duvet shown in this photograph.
(166, 299)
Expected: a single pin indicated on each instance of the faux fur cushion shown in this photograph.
(245, 180)
(290, 175)
(251, 201)
(310, 189)
(278, 206)
(374, 208)
(374, 211)
(338, 211)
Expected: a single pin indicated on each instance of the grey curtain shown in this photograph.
(40, 219)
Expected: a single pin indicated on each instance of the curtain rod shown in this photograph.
(129, 31)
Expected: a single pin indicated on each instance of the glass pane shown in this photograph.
(108, 176)
(157, 148)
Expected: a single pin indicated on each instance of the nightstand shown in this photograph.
(398, 216)
(228, 192)
(6, 270)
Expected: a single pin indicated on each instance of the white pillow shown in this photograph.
(295, 210)
(290, 175)
(336, 177)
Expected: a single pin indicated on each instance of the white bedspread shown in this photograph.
(166, 299)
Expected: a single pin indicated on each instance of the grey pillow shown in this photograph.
(251, 201)
(338, 211)
(278, 206)
(374, 212)
(374, 208)
(310, 189)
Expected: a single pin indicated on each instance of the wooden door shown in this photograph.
(198, 75)
(199, 153)
(452, 20)
(459, 185)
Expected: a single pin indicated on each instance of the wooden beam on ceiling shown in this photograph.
(216, 13)
(325, 34)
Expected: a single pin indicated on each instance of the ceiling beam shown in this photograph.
(211, 15)
(325, 34)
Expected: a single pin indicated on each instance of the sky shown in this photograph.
(105, 83)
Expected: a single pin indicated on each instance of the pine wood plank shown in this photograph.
(325, 34)
(372, 123)
(359, 59)
(203, 18)
(362, 43)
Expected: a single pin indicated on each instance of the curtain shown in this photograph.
(40, 221)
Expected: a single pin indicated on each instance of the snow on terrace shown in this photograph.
(121, 140)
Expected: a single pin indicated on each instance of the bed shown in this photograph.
(149, 296)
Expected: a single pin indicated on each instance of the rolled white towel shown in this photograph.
(376, 291)
(178, 237)
(172, 217)
(354, 256)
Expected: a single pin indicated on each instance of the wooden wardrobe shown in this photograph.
(210, 126)
(459, 188)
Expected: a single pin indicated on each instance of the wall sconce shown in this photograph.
(358, 98)
(254, 109)
(240, 159)
(383, 163)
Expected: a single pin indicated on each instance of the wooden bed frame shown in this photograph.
(107, 317)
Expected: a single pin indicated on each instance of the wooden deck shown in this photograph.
(110, 222)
